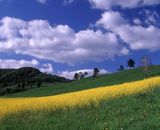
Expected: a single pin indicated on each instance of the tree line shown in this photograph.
(17, 80)
(145, 62)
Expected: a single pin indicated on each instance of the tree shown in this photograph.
(19, 86)
(95, 72)
(8, 91)
(39, 84)
(121, 68)
(76, 76)
(23, 84)
(146, 62)
(85, 73)
(131, 63)
(81, 75)
(30, 82)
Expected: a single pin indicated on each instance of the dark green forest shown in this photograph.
(16, 80)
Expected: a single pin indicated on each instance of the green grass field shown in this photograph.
(136, 112)
(104, 80)
(140, 111)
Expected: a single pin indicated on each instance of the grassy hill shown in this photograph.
(88, 83)
(116, 106)
(135, 112)
(17, 80)
(127, 106)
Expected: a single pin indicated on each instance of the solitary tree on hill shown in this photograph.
(95, 72)
(85, 73)
(131, 63)
(81, 75)
(76, 76)
(121, 68)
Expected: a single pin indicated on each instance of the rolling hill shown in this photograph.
(88, 83)
(13, 79)
(124, 100)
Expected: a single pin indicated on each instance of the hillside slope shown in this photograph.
(128, 106)
(88, 83)
(24, 78)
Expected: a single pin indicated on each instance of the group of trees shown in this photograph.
(145, 63)
(130, 63)
(27, 76)
(16, 80)
(82, 75)
(96, 71)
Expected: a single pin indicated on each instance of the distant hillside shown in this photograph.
(25, 77)
(129, 106)
(88, 83)
(5, 71)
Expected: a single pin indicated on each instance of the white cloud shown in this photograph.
(151, 17)
(70, 74)
(60, 43)
(111, 20)
(41, 1)
(11, 63)
(15, 64)
(137, 37)
(46, 68)
(137, 21)
(108, 4)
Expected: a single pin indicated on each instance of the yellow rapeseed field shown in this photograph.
(12, 105)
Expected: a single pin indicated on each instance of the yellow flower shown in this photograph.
(80, 98)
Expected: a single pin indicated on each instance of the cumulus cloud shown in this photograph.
(151, 17)
(46, 68)
(137, 37)
(11, 63)
(137, 21)
(70, 74)
(108, 4)
(15, 64)
(60, 43)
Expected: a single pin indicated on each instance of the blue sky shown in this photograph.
(63, 36)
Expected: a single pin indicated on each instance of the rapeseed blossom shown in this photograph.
(80, 98)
